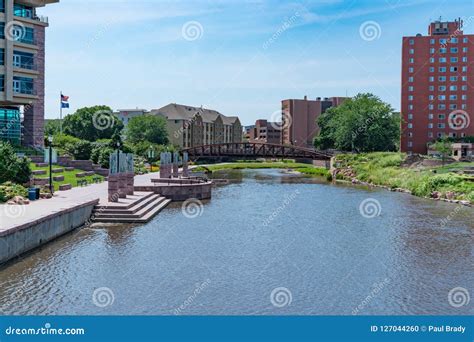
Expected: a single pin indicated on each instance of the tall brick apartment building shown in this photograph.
(22, 53)
(437, 85)
(299, 119)
(265, 132)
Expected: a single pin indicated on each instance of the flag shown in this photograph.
(64, 101)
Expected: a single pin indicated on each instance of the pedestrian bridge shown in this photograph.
(247, 150)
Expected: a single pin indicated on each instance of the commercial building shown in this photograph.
(125, 115)
(265, 132)
(194, 126)
(437, 86)
(22, 55)
(299, 117)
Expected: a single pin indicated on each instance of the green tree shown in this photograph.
(13, 168)
(149, 128)
(443, 146)
(92, 123)
(363, 124)
(51, 127)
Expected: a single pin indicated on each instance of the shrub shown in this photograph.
(13, 168)
(8, 190)
(80, 150)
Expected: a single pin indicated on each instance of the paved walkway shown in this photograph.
(15, 215)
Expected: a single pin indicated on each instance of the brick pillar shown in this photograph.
(113, 187)
(130, 183)
(33, 120)
(122, 191)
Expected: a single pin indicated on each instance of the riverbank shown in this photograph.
(388, 169)
(299, 167)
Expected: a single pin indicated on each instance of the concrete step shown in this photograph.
(118, 206)
(147, 217)
(138, 214)
(132, 210)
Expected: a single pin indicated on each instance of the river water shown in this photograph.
(267, 243)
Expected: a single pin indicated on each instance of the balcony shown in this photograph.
(19, 92)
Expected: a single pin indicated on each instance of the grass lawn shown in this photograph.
(383, 168)
(69, 176)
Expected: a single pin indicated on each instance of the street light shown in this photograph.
(118, 156)
(51, 186)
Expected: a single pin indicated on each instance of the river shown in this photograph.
(268, 243)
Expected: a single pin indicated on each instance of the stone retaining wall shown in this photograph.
(180, 192)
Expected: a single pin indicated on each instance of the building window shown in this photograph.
(464, 69)
(442, 50)
(410, 97)
(439, 135)
(453, 78)
(431, 106)
(453, 50)
(442, 78)
(23, 85)
(464, 97)
(442, 60)
(431, 79)
(430, 116)
(442, 69)
(464, 78)
(465, 40)
(441, 125)
(410, 116)
(23, 60)
(442, 97)
(441, 106)
(23, 11)
(464, 87)
(453, 88)
(464, 49)
(453, 106)
(443, 41)
(442, 88)
(10, 125)
(412, 60)
(411, 42)
(410, 134)
(454, 41)
(410, 144)
(2, 6)
(410, 107)
(430, 134)
(2, 56)
(410, 79)
(453, 59)
(430, 125)
(464, 59)
(431, 97)
(432, 41)
(432, 50)
(410, 88)
(453, 69)
(453, 97)
(431, 69)
(432, 60)
(431, 88)
(2, 83)
(21, 34)
(410, 69)
(441, 116)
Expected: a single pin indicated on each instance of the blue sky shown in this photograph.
(238, 57)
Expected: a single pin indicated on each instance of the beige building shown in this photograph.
(193, 126)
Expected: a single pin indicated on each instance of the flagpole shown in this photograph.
(61, 112)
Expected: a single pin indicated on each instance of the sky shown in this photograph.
(238, 57)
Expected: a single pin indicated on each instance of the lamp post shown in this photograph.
(118, 157)
(51, 186)
(151, 155)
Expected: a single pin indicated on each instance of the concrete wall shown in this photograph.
(180, 192)
(21, 239)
